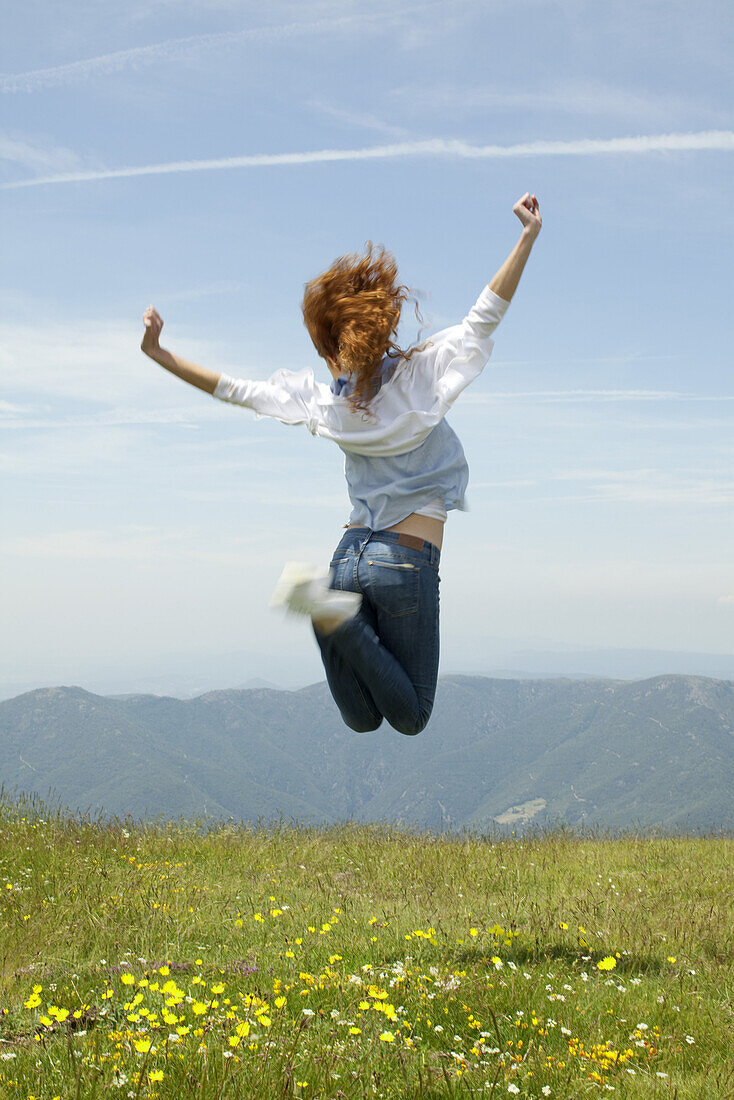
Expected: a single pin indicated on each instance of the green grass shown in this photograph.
(359, 962)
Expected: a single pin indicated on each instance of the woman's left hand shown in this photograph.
(153, 325)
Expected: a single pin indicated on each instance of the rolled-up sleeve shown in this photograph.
(460, 353)
(282, 396)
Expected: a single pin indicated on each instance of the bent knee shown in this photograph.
(363, 726)
(413, 726)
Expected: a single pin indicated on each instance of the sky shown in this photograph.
(211, 156)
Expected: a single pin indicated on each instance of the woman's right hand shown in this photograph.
(153, 324)
(528, 211)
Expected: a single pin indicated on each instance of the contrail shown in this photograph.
(718, 140)
(169, 50)
(594, 395)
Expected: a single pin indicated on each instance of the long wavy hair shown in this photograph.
(352, 312)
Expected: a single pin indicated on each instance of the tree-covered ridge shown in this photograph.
(496, 753)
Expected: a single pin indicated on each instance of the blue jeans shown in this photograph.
(383, 662)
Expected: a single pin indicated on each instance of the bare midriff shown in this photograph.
(423, 527)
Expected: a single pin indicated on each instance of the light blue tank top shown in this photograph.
(385, 489)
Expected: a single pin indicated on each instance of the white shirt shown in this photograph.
(410, 403)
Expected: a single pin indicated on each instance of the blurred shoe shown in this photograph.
(304, 590)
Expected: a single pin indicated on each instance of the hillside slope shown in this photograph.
(652, 752)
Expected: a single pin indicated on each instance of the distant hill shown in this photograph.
(496, 753)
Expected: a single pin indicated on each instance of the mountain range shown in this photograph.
(497, 754)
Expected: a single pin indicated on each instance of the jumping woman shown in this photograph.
(375, 613)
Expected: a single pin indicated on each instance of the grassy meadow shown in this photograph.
(170, 961)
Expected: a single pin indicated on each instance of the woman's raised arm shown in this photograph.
(201, 377)
(505, 281)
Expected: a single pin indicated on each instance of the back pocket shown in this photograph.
(394, 586)
(342, 574)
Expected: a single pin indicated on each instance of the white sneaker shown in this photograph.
(304, 590)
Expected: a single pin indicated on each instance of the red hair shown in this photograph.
(352, 312)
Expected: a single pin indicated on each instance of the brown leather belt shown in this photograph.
(412, 541)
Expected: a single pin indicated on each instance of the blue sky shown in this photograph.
(209, 158)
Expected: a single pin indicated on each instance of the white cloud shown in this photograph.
(357, 118)
(575, 97)
(111, 419)
(572, 360)
(100, 362)
(652, 486)
(177, 49)
(454, 149)
(46, 157)
(138, 543)
(574, 396)
(159, 53)
(9, 411)
(726, 600)
(177, 548)
(89, 413)
(66, 455)
(222, 286)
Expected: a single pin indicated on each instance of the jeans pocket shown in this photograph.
(394, 586)
(342, 574)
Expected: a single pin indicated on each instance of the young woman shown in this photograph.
(375, 615)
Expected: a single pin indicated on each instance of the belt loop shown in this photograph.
(362, 548)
